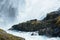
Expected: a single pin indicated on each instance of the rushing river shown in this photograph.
(17, 11)
(27, 36)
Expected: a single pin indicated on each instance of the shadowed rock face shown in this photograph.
(49, 26)
(52, 15)
(32, 25)
(6, 36)
(52, 30)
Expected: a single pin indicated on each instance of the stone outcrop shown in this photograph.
(5, 36)
(49, 26)
(32, 25)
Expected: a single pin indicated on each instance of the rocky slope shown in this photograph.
(49, 26)
(5, 36)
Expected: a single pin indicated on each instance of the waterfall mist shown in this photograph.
(36, 9)
(16, 11)
(8, 10)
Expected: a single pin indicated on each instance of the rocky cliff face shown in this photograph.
(5, 36)
(32, 25)
(49, 26)
(53, 24)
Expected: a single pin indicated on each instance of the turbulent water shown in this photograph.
(16, 11)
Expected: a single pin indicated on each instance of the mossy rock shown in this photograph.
(6, 36)
(50, 25)
(58, 20)
(52, 15)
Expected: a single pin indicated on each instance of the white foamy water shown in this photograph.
(16, 11)
(37, 9)
(27, 36)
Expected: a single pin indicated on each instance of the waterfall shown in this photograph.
(8, 11)
(17, 11)
(36, 9)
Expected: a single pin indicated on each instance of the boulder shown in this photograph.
(49, 26)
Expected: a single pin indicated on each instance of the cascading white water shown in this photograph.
(37, 9)
(8, 11)
(16, 11)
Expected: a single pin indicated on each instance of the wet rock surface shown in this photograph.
(49, 26)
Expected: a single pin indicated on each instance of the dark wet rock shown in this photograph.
(5, 36)
(32, 25)
(32, 34)
(52, 15)
(49, 26)
(51, 32)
